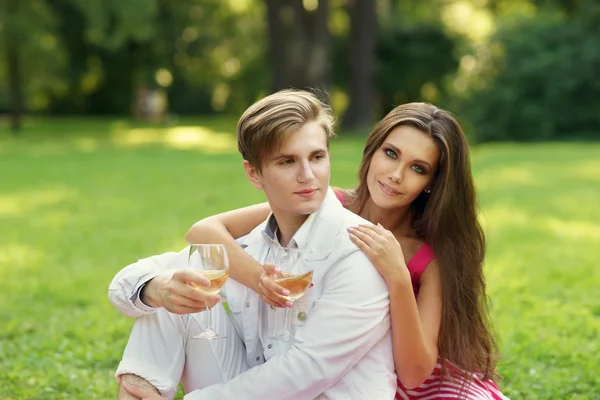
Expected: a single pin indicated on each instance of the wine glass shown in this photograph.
(211, 261)
(295, 276)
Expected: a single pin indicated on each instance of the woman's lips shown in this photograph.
(388, 190)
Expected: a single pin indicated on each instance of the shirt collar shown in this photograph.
(300, 238)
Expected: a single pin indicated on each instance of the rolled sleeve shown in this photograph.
(124, 290)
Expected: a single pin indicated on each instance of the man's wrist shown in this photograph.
(147, 294)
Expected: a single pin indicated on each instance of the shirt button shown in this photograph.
(248, 305)
(302, 316)
(257, 358)
(269, 346)
(272, 308)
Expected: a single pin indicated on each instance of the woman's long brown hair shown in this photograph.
(447, 220)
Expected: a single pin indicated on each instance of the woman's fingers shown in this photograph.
(271, 271)
(366, 235)
(270, 296)
(362, 246)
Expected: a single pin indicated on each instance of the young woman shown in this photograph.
(416, 188)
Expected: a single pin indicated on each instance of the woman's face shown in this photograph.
(402, 167)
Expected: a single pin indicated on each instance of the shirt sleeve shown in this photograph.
(124, 290)
(350, 318)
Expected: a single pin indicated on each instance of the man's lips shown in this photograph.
(306, 192)
(390, 191)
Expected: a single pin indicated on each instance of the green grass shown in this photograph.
(80, 199)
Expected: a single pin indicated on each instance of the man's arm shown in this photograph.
(349, 319)
(124, 289)
(164, 281)
(161, 281)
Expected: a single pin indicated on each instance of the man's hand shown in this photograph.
(141, 393)
(173, 292)
(270, 292)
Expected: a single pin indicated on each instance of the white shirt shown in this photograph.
(343, 346)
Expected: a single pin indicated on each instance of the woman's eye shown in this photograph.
(391, 153)
(418, 169)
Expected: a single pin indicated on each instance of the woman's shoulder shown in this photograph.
(418, 255)
(410, 246)
(342, 194)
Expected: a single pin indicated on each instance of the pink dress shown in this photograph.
(435, 386)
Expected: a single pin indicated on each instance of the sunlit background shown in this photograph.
(117, 133)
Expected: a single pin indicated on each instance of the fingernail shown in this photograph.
(285, 292)
(350, 228)
(276, 270)
(289, 304)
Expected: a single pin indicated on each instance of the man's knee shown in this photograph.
(134, 380)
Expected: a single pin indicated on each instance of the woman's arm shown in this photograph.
(171, 291)
(224, 228)
(415, 323)
(415, 326)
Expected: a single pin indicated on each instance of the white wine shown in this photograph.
(296, 284)
(217, 278)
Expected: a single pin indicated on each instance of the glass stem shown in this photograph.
(288, 323)
(209, 317)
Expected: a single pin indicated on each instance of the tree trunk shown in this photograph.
(363, 40)
(319, 65)
(300, 45)
(277, 50)
(13, 63)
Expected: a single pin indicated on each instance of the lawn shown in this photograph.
(80, 199)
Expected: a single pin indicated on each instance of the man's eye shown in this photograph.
(286, 162)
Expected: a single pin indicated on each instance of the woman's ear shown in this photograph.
(253, 175)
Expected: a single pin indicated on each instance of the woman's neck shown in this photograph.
(398, 220)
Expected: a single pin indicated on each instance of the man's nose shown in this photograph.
(306, 173)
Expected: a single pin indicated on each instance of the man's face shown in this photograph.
(295, 176)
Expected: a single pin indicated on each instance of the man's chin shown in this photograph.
(307, 208)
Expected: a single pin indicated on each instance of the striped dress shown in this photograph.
(434, 386)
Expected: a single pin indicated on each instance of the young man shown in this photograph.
(342, 347)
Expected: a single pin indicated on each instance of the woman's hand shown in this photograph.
(173, 292)
(382, 249)
(269, 291)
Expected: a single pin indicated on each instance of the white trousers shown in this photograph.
(162, 351)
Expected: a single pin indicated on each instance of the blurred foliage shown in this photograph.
(88, 56)
(539, 78)
(511, 69)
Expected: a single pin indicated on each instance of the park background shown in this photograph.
(117, 124)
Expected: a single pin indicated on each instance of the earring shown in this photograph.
(428, 191)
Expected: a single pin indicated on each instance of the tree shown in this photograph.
(299, 45)
(13, 69)
(24, 28)
(362, 47)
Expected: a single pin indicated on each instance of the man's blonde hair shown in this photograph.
(271, 120)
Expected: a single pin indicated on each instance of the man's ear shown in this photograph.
(253, 175)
